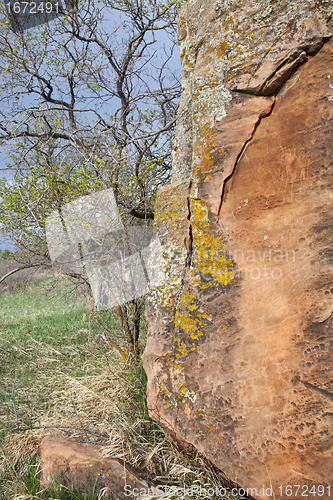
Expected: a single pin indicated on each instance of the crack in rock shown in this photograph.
(247, 84)
(324, 392)
(256, 125)
(267, 79)
(188, 242)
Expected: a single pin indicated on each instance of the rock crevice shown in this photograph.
(255, 127)
(188, 243)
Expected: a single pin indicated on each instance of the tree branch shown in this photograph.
(142, 215)
(27, 266)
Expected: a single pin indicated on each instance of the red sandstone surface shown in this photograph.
(240, 345)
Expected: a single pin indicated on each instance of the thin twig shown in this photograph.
(62, 427)
(13, 399)
(77, 416)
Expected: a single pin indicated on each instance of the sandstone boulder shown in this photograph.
(239, 355)
(80, 467)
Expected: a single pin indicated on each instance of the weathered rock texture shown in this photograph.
(240, 347)
(80, 467)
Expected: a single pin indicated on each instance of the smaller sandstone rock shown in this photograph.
(80, 467)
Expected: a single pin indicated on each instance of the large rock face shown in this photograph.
(240, 347)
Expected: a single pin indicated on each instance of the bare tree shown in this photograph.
(111, 95)
(88, 101)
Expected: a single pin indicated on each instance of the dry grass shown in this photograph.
(101, 409)
(82, 389)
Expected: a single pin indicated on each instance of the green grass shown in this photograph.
(42, 332)
(39, 331)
